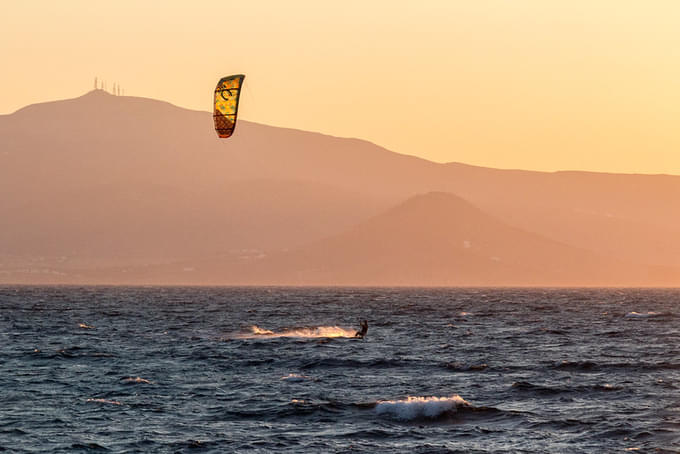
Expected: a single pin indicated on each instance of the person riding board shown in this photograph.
(364, 329)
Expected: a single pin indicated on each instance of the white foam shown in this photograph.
(641, 314)
(420, 407)
(136, 380)
(319, 331)
(257, 330)
(295, 378)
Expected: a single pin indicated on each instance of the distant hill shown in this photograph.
(102, 182)
(434, 239)
(440, 239)
(103, 179)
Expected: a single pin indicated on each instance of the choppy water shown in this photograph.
(264, 370)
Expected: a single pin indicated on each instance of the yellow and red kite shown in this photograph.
(227, 94)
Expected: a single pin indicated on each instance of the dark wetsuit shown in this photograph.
(364, 329)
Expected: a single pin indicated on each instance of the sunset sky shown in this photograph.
(544, 85)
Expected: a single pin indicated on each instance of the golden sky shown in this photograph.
(530, 84)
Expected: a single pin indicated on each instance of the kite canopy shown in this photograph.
(227, 94)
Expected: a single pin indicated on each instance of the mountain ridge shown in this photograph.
(130, 158)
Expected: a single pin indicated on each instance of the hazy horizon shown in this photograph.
(391, 143)
(136, 190)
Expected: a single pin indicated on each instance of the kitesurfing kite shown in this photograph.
(227, 94)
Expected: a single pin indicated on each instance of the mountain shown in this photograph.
(107, 181)
(440, 239)
(433, 239)
(103, 179)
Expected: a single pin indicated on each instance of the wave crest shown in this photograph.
(420, 407)
(295, 378)
(648, 314)
(104, 401)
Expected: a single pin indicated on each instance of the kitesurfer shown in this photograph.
(364, 328)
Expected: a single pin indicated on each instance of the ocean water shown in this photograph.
(158, 369)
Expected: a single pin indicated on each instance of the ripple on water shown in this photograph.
(278, 369)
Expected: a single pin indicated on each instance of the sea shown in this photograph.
(269, 369)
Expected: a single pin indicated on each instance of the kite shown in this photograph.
(227, 94)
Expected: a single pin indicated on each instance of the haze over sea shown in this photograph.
(171, 369)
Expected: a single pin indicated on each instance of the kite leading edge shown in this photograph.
(227, 94)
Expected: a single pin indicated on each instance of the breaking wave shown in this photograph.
(420, 407)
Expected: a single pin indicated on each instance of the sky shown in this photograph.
(525, 84)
